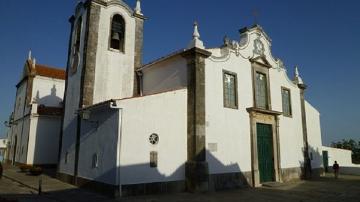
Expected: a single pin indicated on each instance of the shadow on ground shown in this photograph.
(326, 188)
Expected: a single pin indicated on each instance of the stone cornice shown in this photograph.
(110, 3)
(196, 51)
(263, 111)
(302, 86)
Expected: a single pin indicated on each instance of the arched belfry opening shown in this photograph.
(117, 35)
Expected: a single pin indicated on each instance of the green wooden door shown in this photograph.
(265, 152)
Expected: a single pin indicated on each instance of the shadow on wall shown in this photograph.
(144, 179)
(316, 161)
(46, 141)
(147, 178)
(48, 100)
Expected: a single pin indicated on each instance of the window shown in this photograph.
(66, 157)
(95, 161)
(153, 159)
(230, 90)
(76, 49)
(286, 101)
(117, 35)
(261, 95)
(78, 35)
(18, 103)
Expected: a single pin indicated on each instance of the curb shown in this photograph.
(15, 180)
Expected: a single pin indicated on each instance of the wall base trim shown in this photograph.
(126, 190)
(36, 165)
(153, 188)
(102, 188)
(291, 174)
(225, 181)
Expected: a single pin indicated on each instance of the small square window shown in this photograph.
(153, 159)
(95, 161)
(66, 157)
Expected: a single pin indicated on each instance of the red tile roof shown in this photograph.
(47, 71)
(43, 70)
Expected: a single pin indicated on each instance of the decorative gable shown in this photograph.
(261, 60)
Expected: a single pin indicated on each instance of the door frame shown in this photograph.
(264, 117)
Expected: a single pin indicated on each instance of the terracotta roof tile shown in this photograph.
(51, 72)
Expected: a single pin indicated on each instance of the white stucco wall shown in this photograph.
(290, 130)
(48, 91)
(3, 143)
(114, 72)
(20, 101)
(164, 114)
(71, 106)
(230, 128)
(3, 147)
(99, 135)
(44, 137)
(342, 156)
(166, 75)
(120, 137)
(314, 135)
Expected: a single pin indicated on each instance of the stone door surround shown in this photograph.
(264, 117)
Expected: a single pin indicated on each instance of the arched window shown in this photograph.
(117, 35)
(78, 35)
(76, 49)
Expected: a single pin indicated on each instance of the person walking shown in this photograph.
(336, 168)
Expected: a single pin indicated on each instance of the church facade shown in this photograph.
(34, 125)
(195, 120)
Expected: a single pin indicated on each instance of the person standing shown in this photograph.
(336, 168)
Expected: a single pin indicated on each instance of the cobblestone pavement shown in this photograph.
(13, 191)
(326, 189)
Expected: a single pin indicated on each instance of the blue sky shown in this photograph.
(321, 37)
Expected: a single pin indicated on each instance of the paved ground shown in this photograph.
(327, 189)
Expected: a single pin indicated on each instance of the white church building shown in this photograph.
(195, 120)
(34, 125)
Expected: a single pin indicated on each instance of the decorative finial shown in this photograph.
(138, 7)
(226, 40)
(34, 63)
(29, 56)
(297, 71)
(196, 42)
(196, 33)
(297, 79)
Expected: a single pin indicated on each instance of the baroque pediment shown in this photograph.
(261, 60)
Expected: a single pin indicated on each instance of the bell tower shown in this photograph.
(106, 49)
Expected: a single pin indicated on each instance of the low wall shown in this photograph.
(347, 170)
(343, 157)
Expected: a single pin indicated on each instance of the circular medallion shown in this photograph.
(154, 139)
